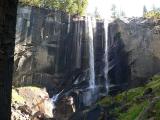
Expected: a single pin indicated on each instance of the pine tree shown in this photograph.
(144, 10)
(114, 12)
(81, 6)
(69, 6)
(122, 14)
(96, 13)
(153, 8)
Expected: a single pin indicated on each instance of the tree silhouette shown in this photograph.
(122, 14)
(144, 10)
(8, 10)
(96, 13)
(114, 12)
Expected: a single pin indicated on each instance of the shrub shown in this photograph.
(155, 14)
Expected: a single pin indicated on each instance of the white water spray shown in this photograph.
(55, 97)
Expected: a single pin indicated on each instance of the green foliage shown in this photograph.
(31, 2)
(81, 4)
(156, 78)
(155, 14)
(130, 95)
(130, 104)
(105, 101)
(69, 6)
(56, 4)
(133, 111)
(155, 83)
(157, 110)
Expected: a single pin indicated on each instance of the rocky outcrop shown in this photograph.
(31, 103)
(53, 50)
(52, 46)
(134, 50)
(38, 43)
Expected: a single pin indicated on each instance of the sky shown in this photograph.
(130, 7)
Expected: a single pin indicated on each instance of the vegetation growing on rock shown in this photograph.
(141, 103)
(155, 14)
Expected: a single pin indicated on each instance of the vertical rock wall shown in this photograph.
(52, 49)
(51, 46)
(39, 44)
(134, 50)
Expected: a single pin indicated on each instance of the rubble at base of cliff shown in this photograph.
(30, 103)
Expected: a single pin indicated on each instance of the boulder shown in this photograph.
(134, 48)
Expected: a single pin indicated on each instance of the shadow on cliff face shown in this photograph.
(119, 69)
(154, 68)
(133, 54)
(38, 38)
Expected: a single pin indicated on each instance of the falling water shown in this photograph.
(90, 93)
(91, 54)
(55, 98)
(106, 22)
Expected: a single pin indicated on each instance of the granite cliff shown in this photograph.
(62, 53)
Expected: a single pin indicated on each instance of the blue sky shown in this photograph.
(130, 7)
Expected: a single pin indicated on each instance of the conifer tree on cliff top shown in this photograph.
(69, 6)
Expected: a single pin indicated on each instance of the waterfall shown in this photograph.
(106, 22)
(90, 95)
(91, 54)
(55, 98)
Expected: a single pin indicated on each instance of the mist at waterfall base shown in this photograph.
(91, 93)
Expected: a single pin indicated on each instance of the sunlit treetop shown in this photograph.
(69, 6)
(131, 8)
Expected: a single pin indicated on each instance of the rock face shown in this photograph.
(29, 103)
(38, 45)
(53, 50)
(134, 48)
